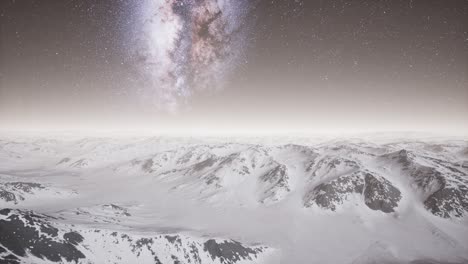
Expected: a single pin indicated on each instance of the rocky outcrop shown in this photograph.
(230, 252)
(444, 185)
(14, 191)
(377, 192)
(276, 180)
(448, 202)
(17, 192)
(25, 235)
(380, 194)
(331, 194)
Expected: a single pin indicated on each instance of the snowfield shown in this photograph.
(233, 200)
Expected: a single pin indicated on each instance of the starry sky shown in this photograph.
(312, 66)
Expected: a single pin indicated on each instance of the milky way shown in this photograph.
(347, 65)
(187, 47)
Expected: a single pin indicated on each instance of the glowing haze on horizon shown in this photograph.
(234, 67)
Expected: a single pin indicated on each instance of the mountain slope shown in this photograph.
(175, 200)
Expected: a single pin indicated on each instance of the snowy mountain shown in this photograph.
(30, 237)
(212, 200)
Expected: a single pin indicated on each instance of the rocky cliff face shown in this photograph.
(442, 183)
(376, 192)
(26, 236)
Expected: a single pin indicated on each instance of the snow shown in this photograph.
(153, 186)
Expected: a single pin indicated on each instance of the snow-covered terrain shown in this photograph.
(237, 200)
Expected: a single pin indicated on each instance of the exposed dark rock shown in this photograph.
(278, 179)
(331, 163)
(448, 202)
(444, 183)
(173, 239)
(9, 259)
(194, 252)
(176, 260)
(73, 237)
(402, 157)
(64, 160)
(229, 159)
(380, 194)
(186, 157)
(147, 166)
(329, 195)
(24, 186)
(5, 211)
(145, 243)
(11, 191)
(276, 175)
(80, 163)
(23, 231)
(9, 196)
(229, 252)
(427, 178)
(212, 179)
(118, 209)
(204, 164)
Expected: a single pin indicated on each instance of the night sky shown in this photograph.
(235, 65)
